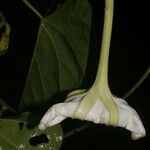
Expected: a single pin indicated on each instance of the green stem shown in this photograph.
(138, 83)
(101, 82)
(33, 9)
(102, 73)
(100, 89)
(76, 130)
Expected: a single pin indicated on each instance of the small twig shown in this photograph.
(138, 83)
(33, 9)
(76, 130)
(130, 92)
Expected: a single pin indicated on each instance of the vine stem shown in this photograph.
(76, 130)
(33, 9)
(138, 83)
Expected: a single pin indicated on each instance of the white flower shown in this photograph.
(128, 118)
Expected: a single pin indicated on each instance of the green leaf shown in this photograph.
(20, 134)
(60, 56)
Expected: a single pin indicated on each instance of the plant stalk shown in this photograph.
(100, 89)
(33, 9)
(102, 73)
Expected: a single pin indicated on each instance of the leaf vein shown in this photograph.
(10, 142)
(60, 85)
(68, 70)
(39, 70)
(70, 47)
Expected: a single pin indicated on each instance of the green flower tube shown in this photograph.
(100, 89)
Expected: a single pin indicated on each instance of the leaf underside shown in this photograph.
(60, 56)
(20, 134)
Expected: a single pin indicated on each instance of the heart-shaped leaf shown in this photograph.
(60, 56)
(20, 134)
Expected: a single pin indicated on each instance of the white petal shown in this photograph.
(128, 117)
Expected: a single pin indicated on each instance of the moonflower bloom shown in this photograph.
(128, 117)
(98, 104)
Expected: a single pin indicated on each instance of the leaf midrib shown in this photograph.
(60, 85)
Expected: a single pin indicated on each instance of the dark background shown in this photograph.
(129, 58)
